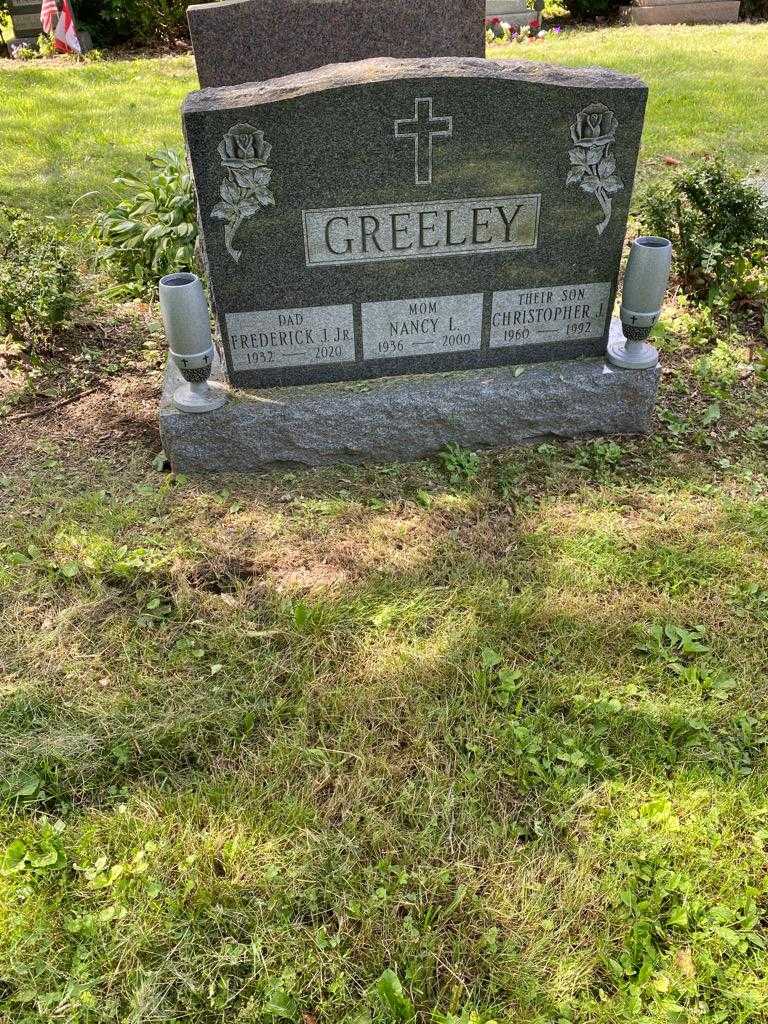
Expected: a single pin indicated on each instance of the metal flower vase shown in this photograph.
(645, 284)
(188, 330)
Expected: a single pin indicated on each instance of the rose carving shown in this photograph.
(244, 142)
(244, 192)
(593, 166)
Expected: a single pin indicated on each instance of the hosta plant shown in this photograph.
(152, 229)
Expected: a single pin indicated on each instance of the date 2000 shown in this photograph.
(394, 345)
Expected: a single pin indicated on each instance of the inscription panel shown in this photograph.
(275, 338)
(367, 234)
(418, 327)
(565, 312)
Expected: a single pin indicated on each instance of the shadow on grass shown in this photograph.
(406, 767)
(185, 676)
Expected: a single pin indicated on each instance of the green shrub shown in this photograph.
(152, 229)
(45, 45)
(138, 21)
(37, 276)
(584, 10)
(554, 9)
(757, 9)
(711, 216)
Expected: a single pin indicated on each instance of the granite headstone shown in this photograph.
(25, 19)
(514, 12)
(407, 216)
(407, 418)
(250, 40)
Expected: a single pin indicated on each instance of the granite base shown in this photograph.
(402, 419)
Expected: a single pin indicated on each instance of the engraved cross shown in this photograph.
(423, 128)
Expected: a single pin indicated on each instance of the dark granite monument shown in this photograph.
(411, 216)
(250, 40)
(452, 224)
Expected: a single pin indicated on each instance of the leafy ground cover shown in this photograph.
(478, 738)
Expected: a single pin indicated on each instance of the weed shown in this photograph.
(599, 457)
(461, 466)
(751, 599)
(674, 644)
(398, 1007)
(37, 276)
(496, 680)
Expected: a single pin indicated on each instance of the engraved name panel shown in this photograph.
(560, 313)
(273, 338)
(367, 234)
(419, 327)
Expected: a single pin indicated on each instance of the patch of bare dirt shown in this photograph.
(116, 412)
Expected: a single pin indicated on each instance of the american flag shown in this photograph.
(49, 15)
(65, 38)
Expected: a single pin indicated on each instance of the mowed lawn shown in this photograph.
(481, 738)
(66, 131)
(708, 84)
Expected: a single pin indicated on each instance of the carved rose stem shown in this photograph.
(605, 202)
(230, 230)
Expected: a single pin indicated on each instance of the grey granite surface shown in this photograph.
(384, 70)
(250, 40)
(404, 216)
(407, 418)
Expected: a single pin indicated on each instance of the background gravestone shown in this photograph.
(25, 21)
(408, 216)
(677, 12)
(514, 12)
(250, 40)
(25, 18)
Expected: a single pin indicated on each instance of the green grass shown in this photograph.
(267, 739)
(68, 130)
(708, 85)
(495, 724)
